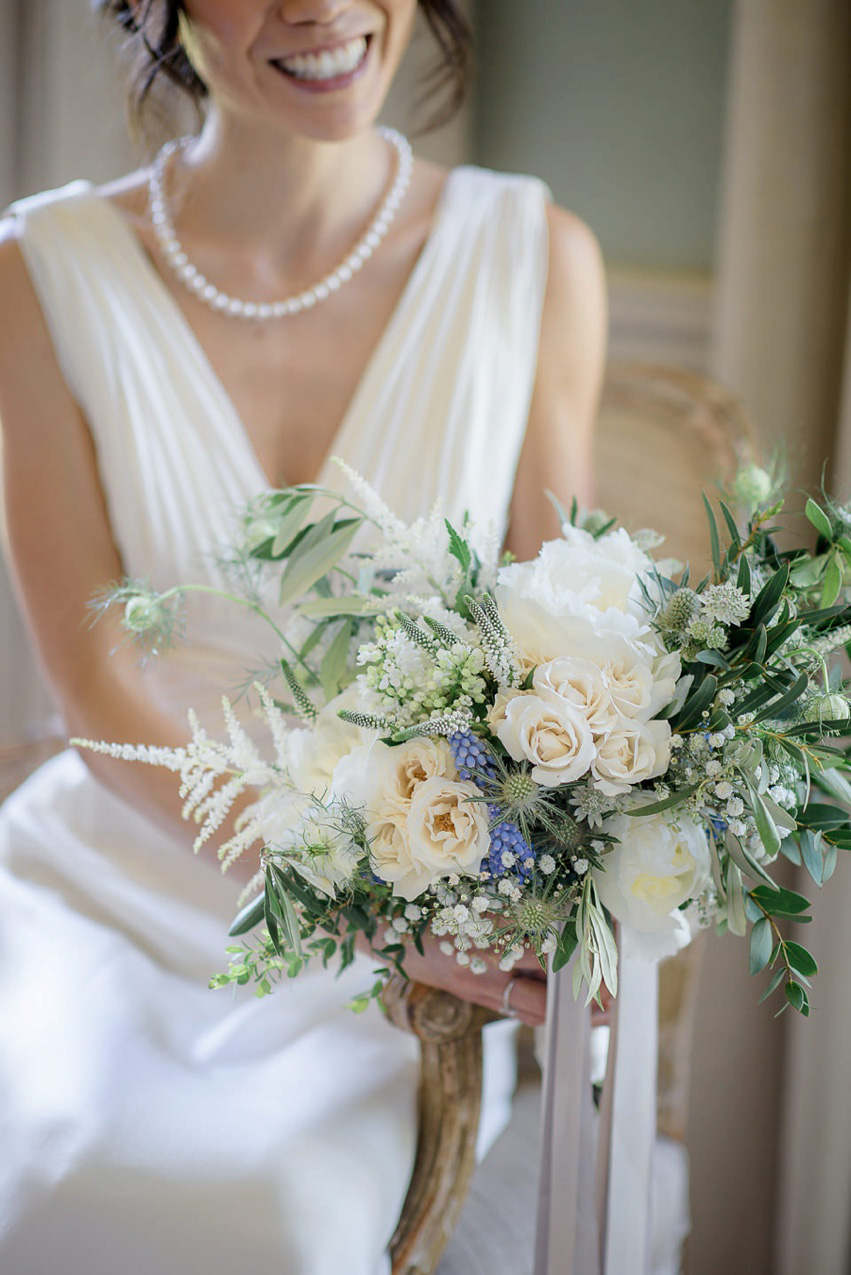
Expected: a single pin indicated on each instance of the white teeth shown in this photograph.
(328, 64)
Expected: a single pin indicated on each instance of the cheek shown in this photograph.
(399, 17)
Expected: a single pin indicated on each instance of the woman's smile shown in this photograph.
(326, 69)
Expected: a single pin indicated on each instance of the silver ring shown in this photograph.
(505, 1008)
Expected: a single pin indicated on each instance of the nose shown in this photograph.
(320, 12)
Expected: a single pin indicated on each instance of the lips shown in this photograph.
(325, 65)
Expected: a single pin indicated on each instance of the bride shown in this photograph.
(284, 286)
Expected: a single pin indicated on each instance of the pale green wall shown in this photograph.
(618, 104)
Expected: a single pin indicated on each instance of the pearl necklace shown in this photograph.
(192, 278)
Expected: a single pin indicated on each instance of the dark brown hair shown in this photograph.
(152, 28)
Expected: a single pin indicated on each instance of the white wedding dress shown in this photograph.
(148, 1124)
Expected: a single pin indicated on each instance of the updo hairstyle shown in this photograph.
(152, 30)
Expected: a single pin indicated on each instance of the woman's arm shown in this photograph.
(63, 551)
(557, 454)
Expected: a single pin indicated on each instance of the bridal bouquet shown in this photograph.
(517, 755)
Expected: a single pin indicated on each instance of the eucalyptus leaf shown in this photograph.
(768, 598)
(745, 861)
(567, 942)
(655, 807)
(778, 978)
(248, 917)
(736, 919)
(302, 572)
(781, 902)
(806, 571)
(819, 519)
(760, 945)
(334, 663)
(700, 700)
(336, 608)
(832, 582)
(291, 524)
(713, 538)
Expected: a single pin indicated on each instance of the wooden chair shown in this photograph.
(664, 435)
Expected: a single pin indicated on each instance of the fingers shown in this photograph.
(527, 999)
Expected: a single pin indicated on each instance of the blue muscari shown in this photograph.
(475, 762)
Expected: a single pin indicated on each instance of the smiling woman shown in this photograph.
(283, 285)
(155, 28)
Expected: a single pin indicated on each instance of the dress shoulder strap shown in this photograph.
(442, 410)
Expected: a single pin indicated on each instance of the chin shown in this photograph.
(335, 109)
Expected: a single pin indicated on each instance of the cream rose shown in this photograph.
(381, 778)
(390, 855)
(580, 682)
(657, 864)
(631, 752)
(445, 831)
(554, 736)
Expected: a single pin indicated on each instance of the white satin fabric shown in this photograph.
(146, 1123)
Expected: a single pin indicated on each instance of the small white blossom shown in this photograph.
(447, 948)
(505, 886)
(413, 912)
(677, 741)
(400, 925)
(724, 790)
(717, 739)
(580, 866)
(547, 864)
(462, 958)
(726, 696)
(478, 966)
(713, 768)
(480, 903)
(735, 806)
(461, 913)
(549, 945)
(737, 827)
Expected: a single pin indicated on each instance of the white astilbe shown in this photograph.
(277, 723)
(391, 525)
(213, 774)
(418, 553)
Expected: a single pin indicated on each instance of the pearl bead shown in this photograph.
(192, 278)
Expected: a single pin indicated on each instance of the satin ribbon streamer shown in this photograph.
(594, 1209)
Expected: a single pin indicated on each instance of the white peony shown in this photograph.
(658, 863)
(631, 752)
(552, 734)
(575, 587)
(312, 752)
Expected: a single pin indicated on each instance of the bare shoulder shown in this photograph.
(576, 277)
(23, 334)
(558, 451)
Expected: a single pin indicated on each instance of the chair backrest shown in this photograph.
(664, 436)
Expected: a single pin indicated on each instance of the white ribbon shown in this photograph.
(598, 1222)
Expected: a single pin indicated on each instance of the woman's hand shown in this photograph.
(526, 1000)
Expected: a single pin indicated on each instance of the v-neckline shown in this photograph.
(172, 307)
